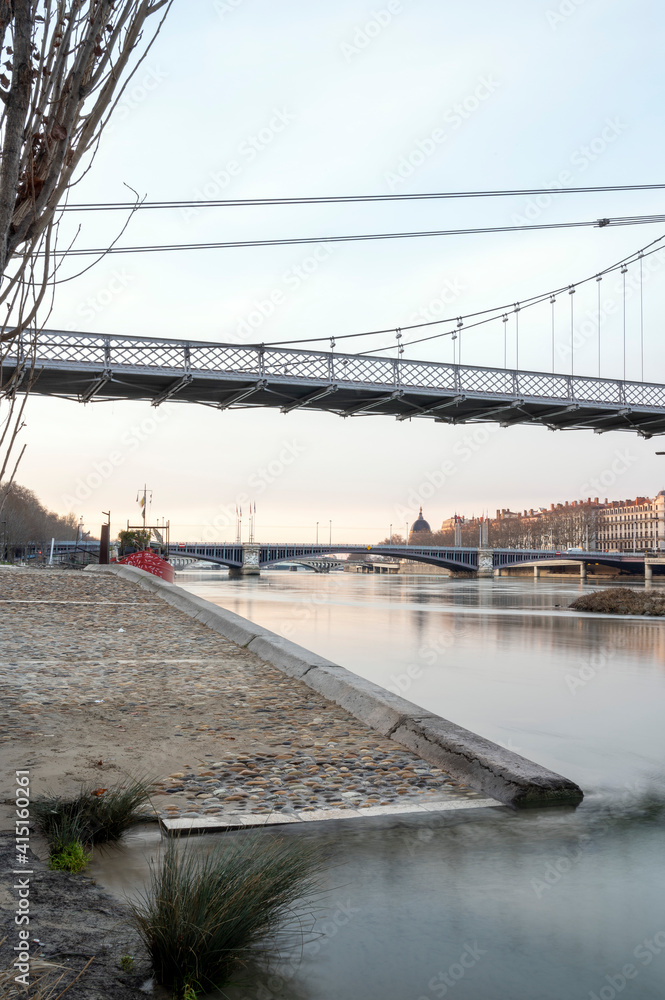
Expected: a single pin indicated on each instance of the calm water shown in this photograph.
(582, 694)
(494, 905)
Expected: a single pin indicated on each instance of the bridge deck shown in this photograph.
(88, 367)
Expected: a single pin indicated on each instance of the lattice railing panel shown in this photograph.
(152, 354)
(644, 395)
(300, 364)
(224, 358)
(372, 371)
(439, 378)
(536, 384)
(486, 380)
(60, 347)
(595, 390)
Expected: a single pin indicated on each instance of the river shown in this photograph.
(491, 904)
(583, 694)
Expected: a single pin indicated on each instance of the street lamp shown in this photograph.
(317, 532)
(406, 536)
(390, 535)
(329, 532)
(79, 531)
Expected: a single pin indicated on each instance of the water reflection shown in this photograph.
(491, 904)
(498, 904)
(582, 694)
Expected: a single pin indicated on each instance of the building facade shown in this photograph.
(593, 524)
(632, 525)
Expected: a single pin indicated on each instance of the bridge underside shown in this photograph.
(89, 367)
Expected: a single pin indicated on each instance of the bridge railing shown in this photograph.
(98, 351)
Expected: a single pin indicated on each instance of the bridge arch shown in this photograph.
(465, 560)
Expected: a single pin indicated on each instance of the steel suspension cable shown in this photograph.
(517, 335)
(571, 292)
(349, 199)
(637, 220)
(552, 302)
(647, 251)
(641, 320)
(624, 269)
(598, 282)
(505, 341)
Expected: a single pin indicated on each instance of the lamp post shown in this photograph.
(406, 536)
(79, 531)
(390, 535)
(317, 532)
(329, 532)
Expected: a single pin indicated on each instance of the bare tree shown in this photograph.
(65, 64)
(69, 63)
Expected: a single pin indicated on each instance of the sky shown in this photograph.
(249, 99)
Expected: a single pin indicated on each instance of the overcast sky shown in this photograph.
(246, 98)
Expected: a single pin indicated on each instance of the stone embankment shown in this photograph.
(464, 755)
(102, 678)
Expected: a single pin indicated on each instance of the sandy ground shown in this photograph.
(76, 928)
(64, 716)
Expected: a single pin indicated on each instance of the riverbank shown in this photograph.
(103, 679)
(76, 928)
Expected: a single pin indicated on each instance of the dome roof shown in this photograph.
(420, 524)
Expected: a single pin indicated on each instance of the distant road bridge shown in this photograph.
(88, 367)
(323, 565)
(250, 558)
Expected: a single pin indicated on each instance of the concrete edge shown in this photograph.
(221, 824)
(464, 755)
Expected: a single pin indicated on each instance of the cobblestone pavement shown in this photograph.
(115, 681)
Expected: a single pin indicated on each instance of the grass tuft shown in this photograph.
(69, 857)
(201, 915)
(48, 981)
(94, 816)
(621, 601)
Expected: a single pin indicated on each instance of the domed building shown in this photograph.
(419, 527)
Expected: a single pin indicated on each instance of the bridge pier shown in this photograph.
(583, 571)
(250, 562)
(485, 563)
(536, 572)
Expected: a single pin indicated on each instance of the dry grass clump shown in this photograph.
(47, 982)
(201, 915)
(621, 601)
(94, 816)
